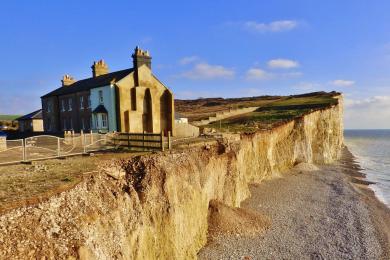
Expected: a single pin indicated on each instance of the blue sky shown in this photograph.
(205, 48)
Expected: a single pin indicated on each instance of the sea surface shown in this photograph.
(372, 150)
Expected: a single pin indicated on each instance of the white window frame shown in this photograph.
(89, 102)
(96, 125)
(81, 103)
(101, 101)
(104, 121)
(49, 103)
(62, 105)
(70, 101)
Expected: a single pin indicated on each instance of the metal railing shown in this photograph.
(47, 147)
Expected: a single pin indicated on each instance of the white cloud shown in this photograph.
(293, 74)
(342, 83)
(282, 64)
(257, 74)
(207, 71)
(188, 60)
(276, 26)
(370, 113)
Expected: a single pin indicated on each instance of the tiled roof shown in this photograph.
(87, 84)
(34, 115)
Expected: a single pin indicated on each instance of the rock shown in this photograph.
(115, 172)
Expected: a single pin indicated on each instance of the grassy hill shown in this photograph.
(8, 117)
(272, 110)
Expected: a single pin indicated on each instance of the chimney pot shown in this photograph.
(67, 80)
(141, 57)
(99, 68)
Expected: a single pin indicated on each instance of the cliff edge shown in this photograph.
(156, 206)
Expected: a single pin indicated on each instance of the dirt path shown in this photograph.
(315, 215)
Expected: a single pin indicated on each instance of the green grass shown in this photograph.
(8, 117)
(294, 101)
(274, 113)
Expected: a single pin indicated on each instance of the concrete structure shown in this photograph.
(186, 130)
(31, 122)
(130, 100)
(180, 118)
(183, 128)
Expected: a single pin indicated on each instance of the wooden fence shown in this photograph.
(142, 141)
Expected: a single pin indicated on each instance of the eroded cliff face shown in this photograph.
(156, 206)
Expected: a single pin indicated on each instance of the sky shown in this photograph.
(204, 48)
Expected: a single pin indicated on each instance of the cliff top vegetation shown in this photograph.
(202, 108)
(273, 110)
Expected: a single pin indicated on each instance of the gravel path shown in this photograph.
(315, 215)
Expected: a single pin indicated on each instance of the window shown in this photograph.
(64, 126)
(104, 120)
(96, 121)
(90, 122)
(82, 123)
(70, 104)
(71, 123)
(49, 106)
(101, 96)
(62, 105)
(81, 102)
(48, 126)
(89, 102)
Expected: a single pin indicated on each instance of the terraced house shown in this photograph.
(129, 100)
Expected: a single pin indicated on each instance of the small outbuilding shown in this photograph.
(32, 122)
(179, 118)
(183, 128)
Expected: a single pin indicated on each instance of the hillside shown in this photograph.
(272, 110)
(8, 117)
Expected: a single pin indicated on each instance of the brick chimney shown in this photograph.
(67, 80)
(141, 57)
(99, 68)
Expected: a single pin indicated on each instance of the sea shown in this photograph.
(372, 150)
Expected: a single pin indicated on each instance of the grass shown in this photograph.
(204, 108)
(271, 114)
(22, 184)
(8, 117)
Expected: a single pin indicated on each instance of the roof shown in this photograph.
(89, 83)
(33, 115)
(100, 109)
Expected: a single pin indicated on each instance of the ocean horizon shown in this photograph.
(371, 147)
